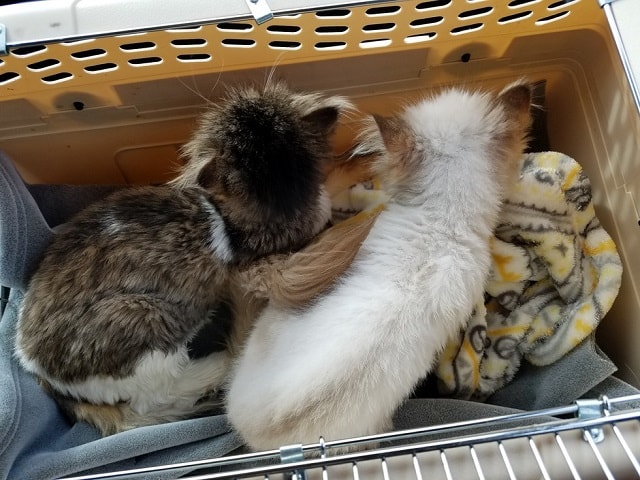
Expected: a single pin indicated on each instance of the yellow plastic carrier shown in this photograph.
(105, 92)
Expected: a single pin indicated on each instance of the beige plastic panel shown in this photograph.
(326, 34)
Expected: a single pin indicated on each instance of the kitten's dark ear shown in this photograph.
(516, 98)
(391, 131)
(207, 176)
(322, 120)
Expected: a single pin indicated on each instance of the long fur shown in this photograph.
(108, 317)
(340, 367)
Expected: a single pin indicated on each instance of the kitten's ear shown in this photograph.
(322, 120)
(516, 99)
(207, 176)
(392, 131)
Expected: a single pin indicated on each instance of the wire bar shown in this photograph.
(596, 452)
(476, 462)
(395, 450)
(536, 455)
(625, 447)
(385, 469)
(356, 474)
(445, 464)
(416, 467)
(507, 463)
(567, 458)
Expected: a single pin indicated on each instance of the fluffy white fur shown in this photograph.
(161, 387)
(341, 367)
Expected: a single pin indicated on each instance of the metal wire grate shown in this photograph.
(592, 439)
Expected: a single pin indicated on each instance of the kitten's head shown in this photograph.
(261, 154)
(453, 124)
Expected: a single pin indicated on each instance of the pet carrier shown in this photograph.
(99, 94)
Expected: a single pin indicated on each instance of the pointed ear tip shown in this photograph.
(380, 120)
(326, 115)
(518, 95)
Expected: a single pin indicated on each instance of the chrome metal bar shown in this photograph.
(356, 474)
(567, 458)
(449, 427)
(505, 459)
(491, 436)
(625, 447)
(476, 462)
(445, 465)
(592, 443)
(416, 467)
(385, 469)
(541, 465)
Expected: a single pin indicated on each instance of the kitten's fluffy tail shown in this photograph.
(295, 280)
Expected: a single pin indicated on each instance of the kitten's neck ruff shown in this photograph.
(240, 236)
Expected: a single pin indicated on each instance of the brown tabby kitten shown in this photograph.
(127, 283)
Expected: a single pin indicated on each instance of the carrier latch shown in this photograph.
(260, 10)
(589, 409)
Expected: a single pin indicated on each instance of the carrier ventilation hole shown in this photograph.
(57, 77)
(1, 62)
(137, 46)
(332, 30)
(375, 43)
(521, 3)
(477, 12)
(382, 11)
(8, 77)
(331, 45)
(79, 106)
(284, 45)
(379, 27)
(515, 17)
(28, 51)
(423, 22)
(334, 13)
(420, 37)
(194, 57)
(234, 27)
(552, 18)
(285, 29)
(87, 54)
(43, 64)
(466, 28)
(239, 42)
(465, 57)
(145, 61)
(561, 3)
(188, 42)
(101, 68)
(433, 4)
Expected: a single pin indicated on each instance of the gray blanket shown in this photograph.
(38, 443)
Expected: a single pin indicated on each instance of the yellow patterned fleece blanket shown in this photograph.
(556, 273)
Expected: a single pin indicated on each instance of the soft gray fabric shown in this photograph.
(23, 231)
(560, 383)
(37, 442)
(59, 202)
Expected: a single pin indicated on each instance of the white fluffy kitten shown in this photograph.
(342, 366)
